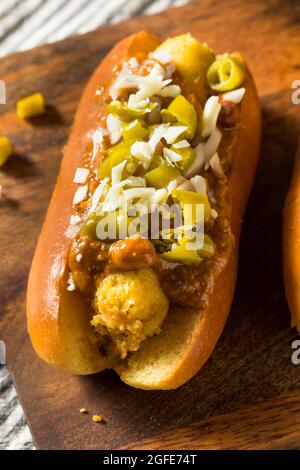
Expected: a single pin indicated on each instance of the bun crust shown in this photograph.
(291, 245)
(58, 321)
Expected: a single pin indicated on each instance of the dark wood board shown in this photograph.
(248, 393)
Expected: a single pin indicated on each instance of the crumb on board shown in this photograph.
(83, 410)
(97, 418)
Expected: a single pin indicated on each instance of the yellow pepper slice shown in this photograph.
(5, 149)
(206, 251)
(208, 248)
(116, 155)
(226, 73)
(161, 176)
(181, 111)
(90, 226)
(31, 106)
(181, 255)
(134, 130)
(188, 156)
(124, 112)
(191, 57)
(187, 198)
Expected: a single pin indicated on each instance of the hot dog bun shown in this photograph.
(291, 244)
(59, 322)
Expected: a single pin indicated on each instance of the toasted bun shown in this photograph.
(58, 321)
(291, 245)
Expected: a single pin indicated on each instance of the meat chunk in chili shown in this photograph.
(132, 253)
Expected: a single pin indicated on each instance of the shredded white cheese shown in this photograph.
(98, 193)
(142, 151)
(116, 173)
(181, 144)
(210, 115)
(198, 163)
(212, 143)
(199, 184)
(172, 156)
(186, 186)
(175, 183)
(173, 132)
(234, 96)
(160, 196)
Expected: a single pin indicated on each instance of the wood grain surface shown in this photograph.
(248, 393)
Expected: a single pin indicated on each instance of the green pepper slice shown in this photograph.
(226, 73)
(124, 112)
(161, 176)
(135, 130)
(180, 110)
(182, 255)
(116, 155)
(186, 198)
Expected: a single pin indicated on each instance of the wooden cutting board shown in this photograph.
(248, 393)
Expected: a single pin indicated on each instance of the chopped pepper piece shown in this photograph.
(191, 57)
(31, 106)
(187, 198)
(5, 149)
(182, 255)
(161, 176)
(124, 112)
(90, 226)
(116, 155)
(134, 130)
(226, 73)
(188, 156)
(181, 110)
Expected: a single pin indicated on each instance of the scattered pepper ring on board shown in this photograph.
(149, 128)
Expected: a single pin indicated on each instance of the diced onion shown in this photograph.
(114, 128)
(142, 151)
(163, 57)
(81, 175)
